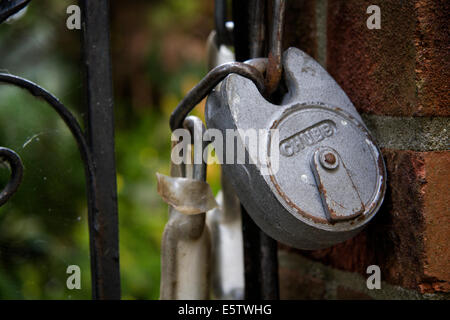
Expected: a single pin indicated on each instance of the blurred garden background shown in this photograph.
(158, 50)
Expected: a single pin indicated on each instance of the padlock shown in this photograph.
(185, 245)
(331, 178)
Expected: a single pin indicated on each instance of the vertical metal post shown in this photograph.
(260, 251)
(103, 222)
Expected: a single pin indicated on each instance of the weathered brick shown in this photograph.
(437, 222)
(401, 69)
(297, 286)
(409, 237)
(304, 278)
(344, 293)
(432, 42)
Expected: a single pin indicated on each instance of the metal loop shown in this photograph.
(274, 67)
(16, 166)
(204, 87)
(259, 63)
(68, 119)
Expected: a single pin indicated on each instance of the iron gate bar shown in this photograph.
(101, 197)
(256, 30)
(100, 134)
(224, 36)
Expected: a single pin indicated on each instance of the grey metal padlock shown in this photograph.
(331, 177)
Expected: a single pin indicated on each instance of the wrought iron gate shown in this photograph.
(96, 145)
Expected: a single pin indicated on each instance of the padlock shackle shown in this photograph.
(207, 84)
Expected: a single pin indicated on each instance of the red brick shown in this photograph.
(401, 69)
(437, 222)
(432, 42)
(409, 237)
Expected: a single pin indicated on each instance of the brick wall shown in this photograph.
(398, 78)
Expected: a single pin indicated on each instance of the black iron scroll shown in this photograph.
(96, 147)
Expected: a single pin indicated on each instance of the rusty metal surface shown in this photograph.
(274, 66)
(340, 198)
(330, 128)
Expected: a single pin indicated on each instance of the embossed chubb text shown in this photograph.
(307, 137)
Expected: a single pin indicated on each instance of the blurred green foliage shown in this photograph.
(43, 228)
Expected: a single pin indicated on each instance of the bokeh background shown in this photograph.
(158, 50)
